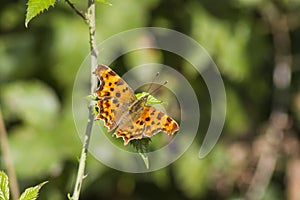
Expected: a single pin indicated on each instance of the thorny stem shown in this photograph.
(8, 160)
(81, 167)
(90, 18)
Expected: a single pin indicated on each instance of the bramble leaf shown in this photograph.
(32, 192)
(141, 146)
(151, 100)
(35, 7)
(104, 2)
(4, 190)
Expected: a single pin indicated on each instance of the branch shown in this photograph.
(81, 167)
(76, 10)
(90, 18)
(8, 160)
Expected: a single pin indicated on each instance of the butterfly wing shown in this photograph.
(156, 121)
(148, 123)
(114, 96)
(130, 129)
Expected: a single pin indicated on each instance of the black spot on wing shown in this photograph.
(115, 101)
(125, 89)
(112, 73)
(119, 82)
(159, 116)
(153, 112)
(169, 119)
(107, 104)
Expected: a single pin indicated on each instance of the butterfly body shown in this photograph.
(120, 109)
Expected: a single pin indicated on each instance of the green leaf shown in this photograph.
(32, 192)
(145, 159)
(151, 100)
(104, 2)
(141, 146)
(35, 7)
(96, 110)
(92, 97)
(4, 190)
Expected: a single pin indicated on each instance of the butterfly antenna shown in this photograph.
(156, 89)
(157, 74)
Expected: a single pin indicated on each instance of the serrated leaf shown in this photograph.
(96, 110)
(92, 97)
(141, 146)
(151, 100)
(145, 159)
(32, 193)
(4, 190)
(104, 2)
(35, 7)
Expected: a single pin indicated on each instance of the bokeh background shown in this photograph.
(256, 46)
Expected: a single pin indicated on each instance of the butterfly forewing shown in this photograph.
(109, 111)
(114, 96)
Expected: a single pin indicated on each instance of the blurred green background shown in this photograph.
(255, 44)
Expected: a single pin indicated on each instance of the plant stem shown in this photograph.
(93, 47)
(81, 167)
(75, 9)
(8, 160)
(90, 18)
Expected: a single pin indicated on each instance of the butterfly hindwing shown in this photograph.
(156, 121)
(130, 129)
(149, 122)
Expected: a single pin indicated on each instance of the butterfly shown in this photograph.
(120, 109)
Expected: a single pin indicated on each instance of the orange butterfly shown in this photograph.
(117, 105)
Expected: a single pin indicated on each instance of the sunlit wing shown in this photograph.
(114, 96)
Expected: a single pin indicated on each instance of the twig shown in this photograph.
(76, 10)
(81, 167)
(8, 160)
(90, 18)
(93, 47)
